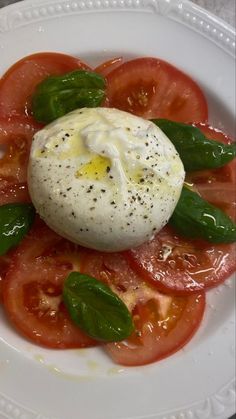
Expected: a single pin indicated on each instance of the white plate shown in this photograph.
(197, 382)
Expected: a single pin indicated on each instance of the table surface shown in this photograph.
(225, 9)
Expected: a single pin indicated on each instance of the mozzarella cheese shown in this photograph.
(104, 178)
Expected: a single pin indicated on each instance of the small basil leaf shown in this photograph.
(196, 151)
(47, 108)
(15, 222)
(96, 309)
(78, 79)
(57, 95)
(195, 218)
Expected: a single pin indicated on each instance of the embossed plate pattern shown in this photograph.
(198, 382)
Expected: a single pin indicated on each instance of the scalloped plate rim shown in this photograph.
(6, 404)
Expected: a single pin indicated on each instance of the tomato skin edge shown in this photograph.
(175, 349)
(170, 290)
(47, 54)
(140, 66)
(33, 338)
(12, 104)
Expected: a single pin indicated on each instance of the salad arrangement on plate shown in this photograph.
(134, 195)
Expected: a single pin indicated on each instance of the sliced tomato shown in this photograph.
(19, 82)
(179, 266)
(163, 324)
(111, 268)
(15, 140)
(14, 193)
(214, 133)
(158, 337)
(152, 88)
(5, 261)
(105, 68)
(32, 290)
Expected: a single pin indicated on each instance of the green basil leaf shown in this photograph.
(195, 218)
(196, 151)
(96, 309)
(58, 95)
(15, 222)
(78, 79)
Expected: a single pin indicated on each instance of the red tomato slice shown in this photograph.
(110, 268)
(180, 266)
(152, 88)
(18, 83)
(214, 133)
(157, 338)
(163, 324)
(5, 261)
(14, 193)
(15, 140)
(105, 68)
(33, 286)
